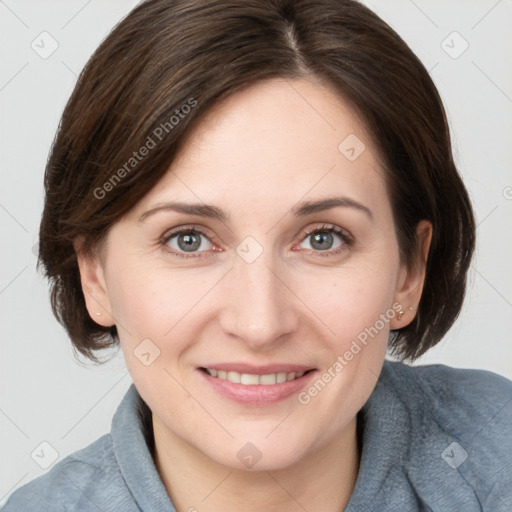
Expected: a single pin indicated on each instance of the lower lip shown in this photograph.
(257, 395)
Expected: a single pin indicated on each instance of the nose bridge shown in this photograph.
(260, 308)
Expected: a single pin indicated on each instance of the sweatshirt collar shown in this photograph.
(385, 444)
(133, 443)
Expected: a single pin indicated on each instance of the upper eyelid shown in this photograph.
(177, 231)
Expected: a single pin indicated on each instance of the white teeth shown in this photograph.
(234, 377)
(281, 377)
(251, 379)
(246, 378)
(268, 379)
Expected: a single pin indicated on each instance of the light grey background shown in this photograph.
(45, 395)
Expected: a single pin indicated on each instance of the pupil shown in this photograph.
(189, 242)
(321, 237)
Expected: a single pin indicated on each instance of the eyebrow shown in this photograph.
(299, 210)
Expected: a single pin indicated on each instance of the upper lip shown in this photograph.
(258, 370)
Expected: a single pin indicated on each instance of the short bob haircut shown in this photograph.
(169, 61)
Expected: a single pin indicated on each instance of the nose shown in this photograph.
(260, 304)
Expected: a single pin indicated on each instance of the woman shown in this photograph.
(207, 153)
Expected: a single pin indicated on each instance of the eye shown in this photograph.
(186, 240)
(189, 242)
(322, 239)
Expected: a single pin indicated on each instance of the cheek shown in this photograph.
(150, 314)
(148, 302)
(168, 307)
(352, 300)
(357, 307)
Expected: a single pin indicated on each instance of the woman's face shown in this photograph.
(252, 293)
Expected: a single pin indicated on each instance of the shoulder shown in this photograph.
(459, 439)
(469, 398)
(439, 376)
(87, 479)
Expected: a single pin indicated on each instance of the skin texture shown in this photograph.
(256, 156)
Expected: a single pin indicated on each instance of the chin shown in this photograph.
(261, 455)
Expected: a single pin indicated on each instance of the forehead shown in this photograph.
(276, 141)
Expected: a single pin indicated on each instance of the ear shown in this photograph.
(94, 288)
(411, 280)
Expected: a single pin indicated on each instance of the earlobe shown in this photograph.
(411, 280)
(94, 288)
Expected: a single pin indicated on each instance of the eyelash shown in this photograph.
(346, 238)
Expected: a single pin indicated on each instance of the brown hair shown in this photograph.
(169, 61)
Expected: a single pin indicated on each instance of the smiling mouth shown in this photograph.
(250, 379)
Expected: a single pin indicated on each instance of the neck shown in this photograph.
(323, 480)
